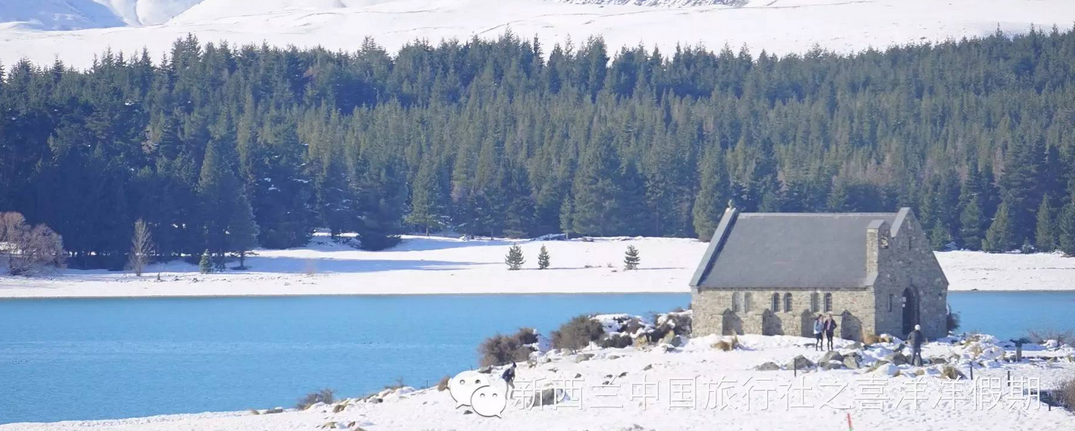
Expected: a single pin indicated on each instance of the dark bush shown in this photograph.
(577, 333)
(327, 396)
(502, 349)
(615, 341)
(527, 336)
(953, 321)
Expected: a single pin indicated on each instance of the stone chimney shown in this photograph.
(877, 239)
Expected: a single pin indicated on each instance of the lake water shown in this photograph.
(113, 358)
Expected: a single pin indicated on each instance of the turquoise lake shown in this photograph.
(75, 359)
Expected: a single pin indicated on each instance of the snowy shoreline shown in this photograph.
(448, 266)
(837, 377)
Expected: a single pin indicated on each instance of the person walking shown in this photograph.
(916, 339)
(819, 332)
(830, 329)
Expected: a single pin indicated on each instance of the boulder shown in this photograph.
(890, 370)
(853, 362)
(830, 356)
(768, 366)
(937, 360)
(830, 365)
(583, 357)
(897, 358)
(679, 341)
(800, 362)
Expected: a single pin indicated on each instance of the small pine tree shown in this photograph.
(1067, 229)
(1000, 236)
(543, 258)
(970, 221)
(939, 237)
(631, 259)
(1045, 234)
(206, 264)
(514, 259)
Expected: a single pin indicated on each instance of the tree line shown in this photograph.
(222, 149)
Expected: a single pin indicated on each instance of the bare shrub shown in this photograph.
(142, 248)
(442, 385)
(502, 349)
(1041, 335)
(29, 250)
(577, 333)
(1066, 393)
(952, 373)
(326, 396)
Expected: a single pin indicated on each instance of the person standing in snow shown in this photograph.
(830, 329)
(916, 339)
(509, 377)
(819, 332)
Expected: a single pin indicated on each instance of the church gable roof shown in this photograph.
(781, 250)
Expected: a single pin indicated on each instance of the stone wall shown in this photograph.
(909, 263)
(712, 312)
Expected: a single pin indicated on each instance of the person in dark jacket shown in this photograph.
(819, 332)
(509, 376)
(830, 329)
(916, 339)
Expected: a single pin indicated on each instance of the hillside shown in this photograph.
(780, 26)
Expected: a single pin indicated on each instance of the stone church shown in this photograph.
(773, 273)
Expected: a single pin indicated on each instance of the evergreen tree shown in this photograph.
(427, 210)
(999, 237)
(939, 237)
(567, 213)
(514, 258)
(242, 229)
(971, 221)
(631, 259)
(710, 203)
(205, 265)
(598, 197)
(1045, 234)
(543, 258)
(1067, 229)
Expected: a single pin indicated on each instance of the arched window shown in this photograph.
(775, 306)
(815, 302)
(736, 304)
(748, 302)
(828, 302)
(787, 302)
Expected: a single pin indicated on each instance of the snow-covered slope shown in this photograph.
(780, 26)
(85, 14)
(57, 14)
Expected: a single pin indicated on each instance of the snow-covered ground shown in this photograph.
(699, 387)
(434, 265)
(777, 26)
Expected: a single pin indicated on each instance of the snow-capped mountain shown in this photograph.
(85, 14)
(76, 30)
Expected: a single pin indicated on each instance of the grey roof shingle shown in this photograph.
(798, 251)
